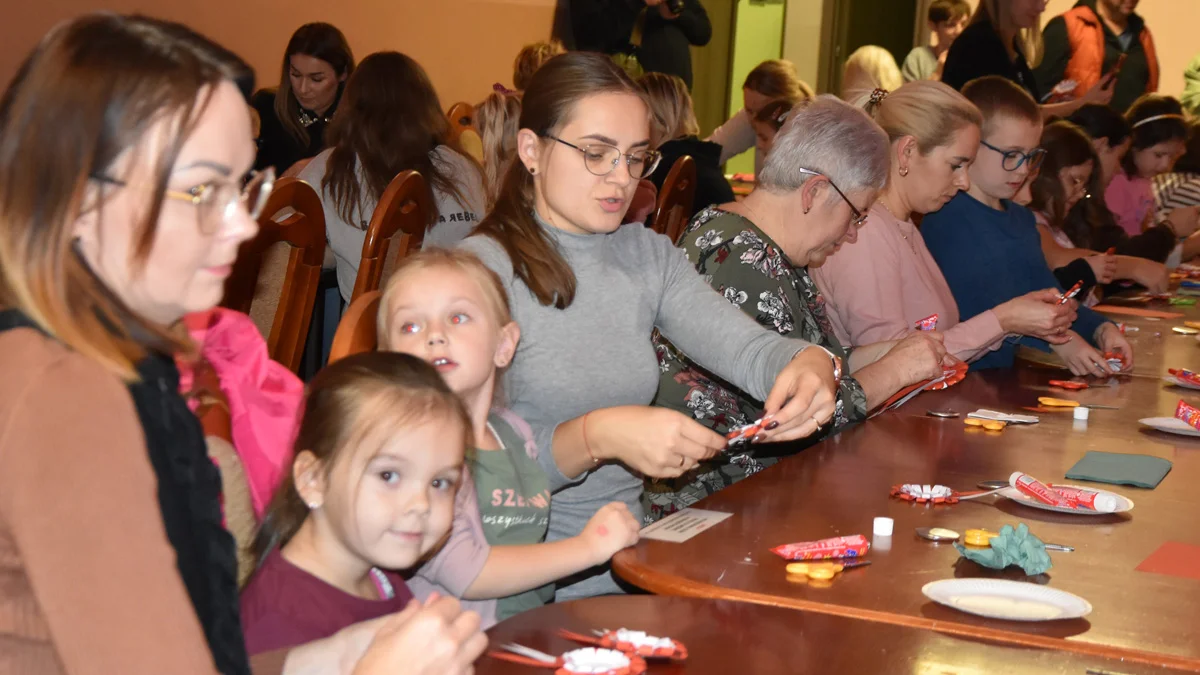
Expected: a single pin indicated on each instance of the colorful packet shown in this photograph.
(835, 547)
(928, 323)
(1188, 413)
(1184, 375)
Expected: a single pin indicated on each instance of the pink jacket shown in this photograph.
(265, 398)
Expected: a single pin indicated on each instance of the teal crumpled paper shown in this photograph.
(1013, 547)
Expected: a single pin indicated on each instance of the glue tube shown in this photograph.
(836, 547)
(1031, 486)
(1102, 502)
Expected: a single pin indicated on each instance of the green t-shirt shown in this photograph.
(514, 503)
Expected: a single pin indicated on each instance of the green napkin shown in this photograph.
(1119, 469)
(1012, 547)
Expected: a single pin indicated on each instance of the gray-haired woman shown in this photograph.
(825, 169)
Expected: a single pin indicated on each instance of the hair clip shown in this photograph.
(1155, 118)
(877, 95)
(501, 89)
(783, 116)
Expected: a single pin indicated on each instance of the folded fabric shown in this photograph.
(1014, 546)
(1143, 471)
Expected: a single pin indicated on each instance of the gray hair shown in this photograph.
(832, 138)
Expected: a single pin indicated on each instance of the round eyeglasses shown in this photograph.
(601, 159)
(218, 202)
(1011, 160)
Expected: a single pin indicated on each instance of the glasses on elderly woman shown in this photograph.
(601, 159)
(1011, 160)
(217, 202)
(859, 216)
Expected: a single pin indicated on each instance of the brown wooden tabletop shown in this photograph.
(725, 638)
(840, 485)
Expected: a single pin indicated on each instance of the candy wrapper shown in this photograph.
(1116, 361)
(1184, 375)
(1188, 413)
(1014, 546)
(928, 323)
(852, 546)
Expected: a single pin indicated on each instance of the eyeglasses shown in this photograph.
(1012, 160)
(601, 158)
(859, 216)
(218, 202)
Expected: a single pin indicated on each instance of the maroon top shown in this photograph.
(284, 606)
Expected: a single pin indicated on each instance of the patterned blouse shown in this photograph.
(743, 264)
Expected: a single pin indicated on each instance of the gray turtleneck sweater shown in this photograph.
(597, 354)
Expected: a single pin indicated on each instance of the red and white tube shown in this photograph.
(1026, 484)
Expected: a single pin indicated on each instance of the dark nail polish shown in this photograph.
(772, 426)
(759, 438)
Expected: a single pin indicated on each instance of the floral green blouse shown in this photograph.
(743, 264)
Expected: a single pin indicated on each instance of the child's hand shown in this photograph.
(610, 530)
(1082, 358)
(1104, 267)
(437, 638)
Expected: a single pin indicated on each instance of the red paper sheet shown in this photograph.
(1174, 558)
(1137, 311)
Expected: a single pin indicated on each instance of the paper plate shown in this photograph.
(1172, 380)
(1123, 503)
(1003, 599)
(1171, 425)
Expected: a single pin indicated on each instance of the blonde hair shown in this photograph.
(491, 288)
(777, 78)
(530, 58)
(1030, 39)
(869, 67)
(931, 112)
(670, 106)
(496, 121)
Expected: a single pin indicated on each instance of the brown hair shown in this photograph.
(530, 58)
(931, 112)
(389, 121)
(1190, 161)
(777, 78)
(775, 113)
(1168, 125)
(546, 106)
(1066, 145)
(670, 106)
(458, 260)
(496, 121)
(359, 397)
(997, 97)
(320, 41)
(88, 93)
(947, 10)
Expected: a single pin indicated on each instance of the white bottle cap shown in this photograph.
(1081, 413)
(1105, 503)
(883, 527)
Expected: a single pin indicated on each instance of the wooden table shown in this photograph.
(726, 638)
(838, 486)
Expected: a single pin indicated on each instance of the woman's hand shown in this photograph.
(918, 357)
(1039, 315)
(1103, 266)
(656, 442)
(433, 638)
(1111, 341)
(803, 399)
(1154, 276)
(1082, 358)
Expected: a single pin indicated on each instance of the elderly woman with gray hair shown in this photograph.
(825, 169)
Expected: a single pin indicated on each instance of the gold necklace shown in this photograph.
(911, 244)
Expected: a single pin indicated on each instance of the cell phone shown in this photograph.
(1112, 74)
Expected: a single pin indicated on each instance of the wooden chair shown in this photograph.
(675, 199)
(276, 274)
(397, 228)
(356, 331)
(462, 117)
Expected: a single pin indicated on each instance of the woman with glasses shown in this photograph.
(122, 208)
(587, 293)
(880, 286)
(812, 197)
(988, 247)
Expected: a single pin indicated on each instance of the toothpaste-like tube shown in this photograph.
(852, 546)
(1188, 413)
(1026, 484)
(1095, 500)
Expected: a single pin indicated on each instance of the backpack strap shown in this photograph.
(521, 427)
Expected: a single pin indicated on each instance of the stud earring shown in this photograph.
(903, 171)
(313, 506)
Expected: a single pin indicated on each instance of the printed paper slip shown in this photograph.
(683, 525)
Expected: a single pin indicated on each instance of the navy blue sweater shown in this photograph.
(989, 257)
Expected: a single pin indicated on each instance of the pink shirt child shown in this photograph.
(881, 285)
(1129, 199)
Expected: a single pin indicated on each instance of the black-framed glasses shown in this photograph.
(1011, 160)
(215, 201)
(601, 159)
(859, 216)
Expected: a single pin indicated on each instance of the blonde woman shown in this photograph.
(1005, 39)
(881, 285)
(870, 67)
(768, 81)
(676, 134)
(496, 121)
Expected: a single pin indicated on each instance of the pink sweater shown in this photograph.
(881, 285)
(1129, 199)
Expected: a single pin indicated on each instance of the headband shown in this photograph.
(1155, 118)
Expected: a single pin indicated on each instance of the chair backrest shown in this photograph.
(675, 199)
(397, 228)
(356, 331)
(462, 117)
(276, 275)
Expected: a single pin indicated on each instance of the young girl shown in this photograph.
(1159, 133)
(448, 308)
(769, 121)
(378, 459)
(770, 80)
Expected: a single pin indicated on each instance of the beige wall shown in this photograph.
(466, 45)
